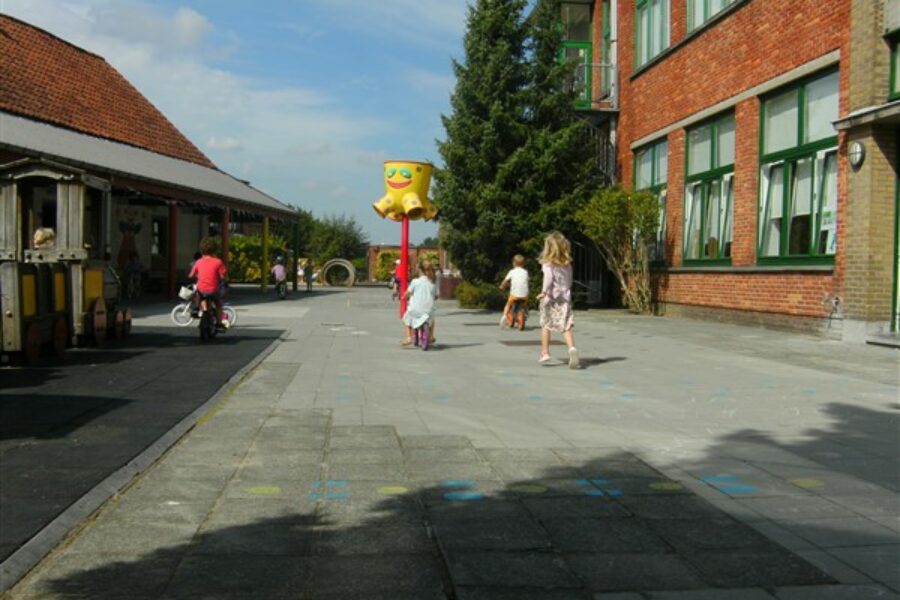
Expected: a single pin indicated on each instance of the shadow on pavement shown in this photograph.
(505, 523)
(65, 428)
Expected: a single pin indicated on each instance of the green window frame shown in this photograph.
(894, 89)
(577, 50)
(651, 29)
(709, 192)
(651, 165)
(701, 11)
(798, 173)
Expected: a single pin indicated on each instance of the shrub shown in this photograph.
(480, 295)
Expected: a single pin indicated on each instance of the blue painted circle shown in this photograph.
(463, 496)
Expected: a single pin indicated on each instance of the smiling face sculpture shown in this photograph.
(406, 186)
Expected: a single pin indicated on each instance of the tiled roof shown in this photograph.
(45, 78)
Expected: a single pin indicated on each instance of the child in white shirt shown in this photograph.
(517, 282)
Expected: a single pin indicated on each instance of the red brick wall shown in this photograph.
(756, 42)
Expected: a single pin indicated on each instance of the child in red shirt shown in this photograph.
(210, 273)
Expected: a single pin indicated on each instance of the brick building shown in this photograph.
(741, 116)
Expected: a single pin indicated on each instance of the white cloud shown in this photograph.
(226, 143)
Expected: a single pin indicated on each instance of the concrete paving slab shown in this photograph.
(730, 594)
(603, 536)
(836, 592)
(624, 572)
(511, 570)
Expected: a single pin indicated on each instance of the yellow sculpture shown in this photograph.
(406, 184)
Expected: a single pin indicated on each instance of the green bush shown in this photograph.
(245, 256)
(384, 266)
(480, 295)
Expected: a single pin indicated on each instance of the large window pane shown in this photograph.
(644, 169)
(713, 208)
(695, 13)
(699, 150)
(821, 107)
(658, 251)
(827, 242)
(693, 212)
(662, 163)
(801, 207)
(726, 215)
(781, 122)
(576, 20)
(771, 210)
(643, 34)
(577, 60)
(725, 142)
(895, 59)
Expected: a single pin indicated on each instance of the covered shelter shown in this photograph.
(83, 152)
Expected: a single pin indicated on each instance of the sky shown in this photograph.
(304, 98)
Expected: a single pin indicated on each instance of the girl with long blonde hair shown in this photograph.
(556, 296)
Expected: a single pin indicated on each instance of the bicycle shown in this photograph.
(281, 289)
(184, 313)
(421, 335)
(515, 315)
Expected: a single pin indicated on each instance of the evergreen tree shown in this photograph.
(485, 129)
(517, 162)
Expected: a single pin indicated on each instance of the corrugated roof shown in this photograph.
(99, 155)
(49, 79)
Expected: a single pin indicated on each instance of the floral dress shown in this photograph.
(556, 305)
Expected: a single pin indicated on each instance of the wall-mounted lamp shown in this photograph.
(856, 153)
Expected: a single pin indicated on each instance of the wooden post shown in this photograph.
(296, 253)
(264, 276)
(226, 225)
(173, 249)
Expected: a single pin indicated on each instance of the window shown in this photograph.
(798, 180)
(651, 29)
(607, 71)
(895, 70)
(701, 11)
(651, 164)
(709, 191)
(158, 229)
(577, 50)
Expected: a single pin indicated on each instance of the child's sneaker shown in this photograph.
(544, 358)
(573, 358)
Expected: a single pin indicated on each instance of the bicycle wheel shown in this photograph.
(230, 314)
(181, 314)
(424, 336)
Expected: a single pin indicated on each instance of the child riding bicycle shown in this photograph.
(516, 280)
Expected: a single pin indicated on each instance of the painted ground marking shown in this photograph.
(458, 483)
(392, 490)
(263, 490)
(807, 483)
(665, 485)
(463, 496)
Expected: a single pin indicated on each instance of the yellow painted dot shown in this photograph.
(807, 482)
(392, 490)
(666, 485)
(263, 490)
(528, 488)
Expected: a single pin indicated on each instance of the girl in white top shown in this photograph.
(420, 308)
(556, 296)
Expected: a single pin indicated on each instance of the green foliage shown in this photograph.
(430, 241)
(361, 265)
(480, 295)
(623, 224)
(245, 256)
(384, 265)
(516, 160)
(337, 237)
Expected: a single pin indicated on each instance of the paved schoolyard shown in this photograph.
(687, 460)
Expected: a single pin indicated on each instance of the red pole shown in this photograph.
(404, 263)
